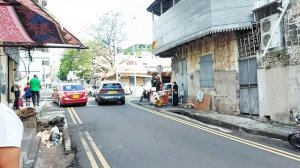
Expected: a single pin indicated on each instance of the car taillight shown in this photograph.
(102, 91)
(83, 93)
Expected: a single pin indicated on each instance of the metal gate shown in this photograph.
(248, 86)
(182, 79)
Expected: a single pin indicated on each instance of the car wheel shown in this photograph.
(83, 104)
(122, 102)
(100, 103)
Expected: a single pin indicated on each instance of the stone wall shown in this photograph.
(292, 32)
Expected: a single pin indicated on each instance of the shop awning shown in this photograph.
(24, 23)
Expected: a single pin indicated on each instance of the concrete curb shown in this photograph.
(220, 123)
(67, 141)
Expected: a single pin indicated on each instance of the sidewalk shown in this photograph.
(236, 123)
(31, 144)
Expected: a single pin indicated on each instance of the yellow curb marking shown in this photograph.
(72, 116)
(76, 115)
(241, 140)
(88, 151)
(91, 158)
(97, 150)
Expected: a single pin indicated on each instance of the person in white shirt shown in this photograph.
(11, 134)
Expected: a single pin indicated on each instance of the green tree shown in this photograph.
(78, 61)
(85, 62)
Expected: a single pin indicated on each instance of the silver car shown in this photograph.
(110, 92)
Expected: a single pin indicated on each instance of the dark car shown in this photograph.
(110, 92)
(68, 93)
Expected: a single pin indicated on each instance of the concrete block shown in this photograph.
(29, 122)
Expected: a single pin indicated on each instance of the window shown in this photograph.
(206, 71)
(112, 85)
(72, 88)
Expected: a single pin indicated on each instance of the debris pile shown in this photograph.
(51, 121)
(49, 127)
(50, 137)
(28, 112)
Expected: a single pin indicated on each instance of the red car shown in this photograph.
(69, 93)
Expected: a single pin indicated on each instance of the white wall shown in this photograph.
(279, 93)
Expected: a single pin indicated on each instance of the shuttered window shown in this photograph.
(206, 71)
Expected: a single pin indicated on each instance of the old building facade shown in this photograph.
(202, 38)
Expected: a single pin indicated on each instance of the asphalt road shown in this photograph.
(126, 136)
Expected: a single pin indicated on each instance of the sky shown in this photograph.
(77, 15)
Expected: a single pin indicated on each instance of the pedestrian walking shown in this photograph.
(16, 90)
(158, 85)
(28, 94)
(11, 133)
(175, 94)
(35, 86)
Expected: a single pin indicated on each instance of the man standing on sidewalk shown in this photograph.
(11, 134)
(35, 85)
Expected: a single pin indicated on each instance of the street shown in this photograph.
(130, 136)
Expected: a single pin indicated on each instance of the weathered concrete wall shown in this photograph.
(223, 48)
(226, 95)
(272, 93)
(225, 75)
(279, 93)
(293, 83)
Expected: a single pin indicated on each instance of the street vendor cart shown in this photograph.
(159, 98)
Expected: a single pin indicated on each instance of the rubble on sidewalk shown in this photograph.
(51, 121)
(27, 112)
(50, 137)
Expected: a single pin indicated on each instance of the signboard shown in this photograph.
(159, 68)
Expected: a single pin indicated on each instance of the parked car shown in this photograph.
(69, 93)
(110, 92)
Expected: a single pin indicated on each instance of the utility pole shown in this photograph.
(135, 64)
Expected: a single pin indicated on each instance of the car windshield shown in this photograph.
(72, 88)
(112, 85)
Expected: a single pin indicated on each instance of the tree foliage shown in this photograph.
(108, 31)
(78, 61)
(85, 62)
